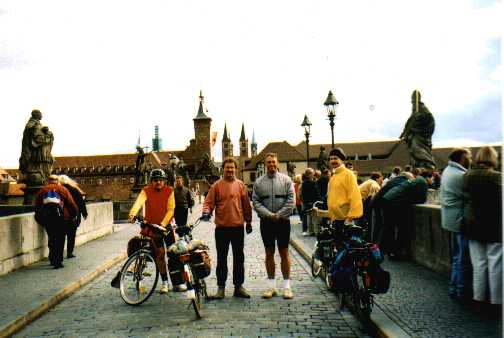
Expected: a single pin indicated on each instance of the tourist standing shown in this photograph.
(309, 195)
(71, 227)
(229, 198)
(54, 209)
(183, 201)
(273, 199)
(483, 227)
(451, 198)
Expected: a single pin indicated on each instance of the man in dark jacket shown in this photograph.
(398, 203)
(54, 208)
(71, 227)
(183, 201)
(309, 194)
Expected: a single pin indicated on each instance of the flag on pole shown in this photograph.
(214, 138)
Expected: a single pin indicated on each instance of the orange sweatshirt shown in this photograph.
(231, 203)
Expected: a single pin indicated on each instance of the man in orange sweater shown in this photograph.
(158, 202)
(229, 198)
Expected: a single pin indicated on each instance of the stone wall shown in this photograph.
(429, 241)
(23, 241)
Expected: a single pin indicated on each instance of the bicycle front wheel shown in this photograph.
(316, 265)
(139, 277)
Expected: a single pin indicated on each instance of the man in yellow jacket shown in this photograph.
(344, 200)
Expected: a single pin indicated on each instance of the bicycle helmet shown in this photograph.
(157, 173)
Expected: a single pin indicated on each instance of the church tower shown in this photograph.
(202, 125)
(253, 145)
(227, 146)
(243, 143)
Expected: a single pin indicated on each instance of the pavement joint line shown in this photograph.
(384, 325)
(23, 320)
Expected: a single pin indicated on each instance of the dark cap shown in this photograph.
(338, 152)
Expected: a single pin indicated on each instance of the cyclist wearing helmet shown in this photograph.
(158, 202)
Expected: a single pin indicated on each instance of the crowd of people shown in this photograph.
(471, 213)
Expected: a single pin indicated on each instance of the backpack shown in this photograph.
(51, 210)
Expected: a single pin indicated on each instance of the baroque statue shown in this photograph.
(35, 162)
(322, 159)
(140, 167)
(418, 132)
(291, 169)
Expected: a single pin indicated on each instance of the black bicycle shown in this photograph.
(140, 273)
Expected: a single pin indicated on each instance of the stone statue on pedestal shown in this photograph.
(322, 159)
(418, 132)
(140, 167)
(291, 169)
(35, 162)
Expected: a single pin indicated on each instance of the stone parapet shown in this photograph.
(429, 243)
(23, 241)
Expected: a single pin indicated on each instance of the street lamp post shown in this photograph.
(331, 104)
(307, 124)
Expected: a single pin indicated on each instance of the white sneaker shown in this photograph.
(180, 288)
(305, 234)
(164, 288)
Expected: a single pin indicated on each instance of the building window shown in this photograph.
(124, 180)
(252, 177)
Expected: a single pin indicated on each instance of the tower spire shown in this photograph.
(201, 111)
(225, 136)
(242, 136)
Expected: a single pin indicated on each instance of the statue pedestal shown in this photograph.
(30, 192)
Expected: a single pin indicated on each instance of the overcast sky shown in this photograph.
(102, 72)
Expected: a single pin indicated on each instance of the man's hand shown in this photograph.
(349, 221)
(205, 217)
(315, 211)
(275, 217)
(248, 228)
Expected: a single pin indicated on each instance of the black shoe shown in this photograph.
(58, 266)
(71, 256)
(240, 292)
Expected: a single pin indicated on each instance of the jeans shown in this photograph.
(460, 265)
(223, 237)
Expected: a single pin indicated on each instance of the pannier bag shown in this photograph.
(378, 280)
(176, 269)
(341, 278)
(200, 260)
(342, 273)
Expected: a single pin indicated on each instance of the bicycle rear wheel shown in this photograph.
(139, 277)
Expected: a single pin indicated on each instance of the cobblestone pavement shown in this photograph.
(24, 289)
(418, 301)
(98, 310)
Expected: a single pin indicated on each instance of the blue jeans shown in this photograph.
(460, 284)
